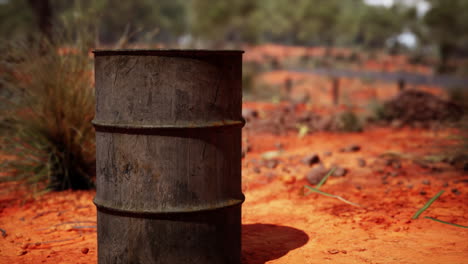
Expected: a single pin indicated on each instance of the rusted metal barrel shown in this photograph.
(168, 152)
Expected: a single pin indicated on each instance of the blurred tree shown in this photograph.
(378, 24)
(447, 23)
(224, 21)
(44, 15)
(16, 18)
(301, 21)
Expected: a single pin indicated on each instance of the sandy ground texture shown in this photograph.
(390, 176)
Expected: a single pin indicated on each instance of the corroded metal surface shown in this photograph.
(168, 141)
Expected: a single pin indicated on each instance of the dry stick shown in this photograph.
(4, 233)
(420, 211)
(443, 222)
(324, 179)
(333, 196)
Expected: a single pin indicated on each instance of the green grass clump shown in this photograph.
(46, 118)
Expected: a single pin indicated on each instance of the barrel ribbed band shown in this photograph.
(122, 128)
(106, 207)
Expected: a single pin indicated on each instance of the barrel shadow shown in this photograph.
(265, 242)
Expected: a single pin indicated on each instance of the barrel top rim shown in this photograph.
(155, 52)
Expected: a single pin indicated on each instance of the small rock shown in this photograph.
(344, 251)
(361, 162)
(393, 174)
(333, 251)
(288, 179)
(456, 191)
(426, 182)
(279, 146)
(270, 175)
(327, 153)
(396, 164)
(316, 174)
(359, 187)
(249, 114)
(422, 192)
(85, 250)
(339, 172)
(351, 148)
(256, 170)
(21, 253)
(311, 159)
(271, 163)
(25, 246)
(445, 185)
(409, 186)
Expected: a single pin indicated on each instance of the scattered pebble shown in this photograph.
(271, 163)
(256, 170)
(270, 175)
(249, 114)
(351, 148)
(327, 154)
(339, 172)
(22, 252)
(426, 182)
(311, 159)
(456, 191)
(361, 162)
(288, 179)
(359, 187)
(396, 164)
(409, 186)
(445, 184)
(85, 250)
(25, 246)
(333, 251)
(279, 146)
(393, 174)
(316, 174)
(422, 192)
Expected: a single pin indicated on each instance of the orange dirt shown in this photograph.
(280, 224)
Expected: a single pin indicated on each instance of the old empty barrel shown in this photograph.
(168, 152)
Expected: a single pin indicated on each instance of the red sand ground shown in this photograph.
(280, 225)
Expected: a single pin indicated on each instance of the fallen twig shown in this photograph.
(4, 233)
(332, 195)
(324, 179)
(443, 222)
(420, 211)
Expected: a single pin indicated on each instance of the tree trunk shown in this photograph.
(44, 14)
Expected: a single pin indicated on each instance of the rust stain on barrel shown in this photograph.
(168, 141)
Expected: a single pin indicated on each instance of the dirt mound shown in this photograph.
(413, 106)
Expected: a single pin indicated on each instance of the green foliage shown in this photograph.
(16, 19)
(377, 111)
(447, 27)
(348, 121)
(49, 113)
(221, 21)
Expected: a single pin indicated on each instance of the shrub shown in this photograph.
(348, 121)
(49, 113)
